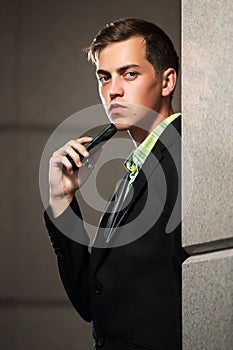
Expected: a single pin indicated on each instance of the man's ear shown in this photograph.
(168, 81)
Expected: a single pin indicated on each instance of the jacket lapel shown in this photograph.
(168, 137)
(135, 191)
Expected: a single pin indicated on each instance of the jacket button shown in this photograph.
(100, 342)
(98, 288)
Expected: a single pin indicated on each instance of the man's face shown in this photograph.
(128, 80)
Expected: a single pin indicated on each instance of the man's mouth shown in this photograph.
(115, 108)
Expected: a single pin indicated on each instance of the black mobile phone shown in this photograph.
(98, 140)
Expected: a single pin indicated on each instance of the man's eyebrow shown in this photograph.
(102, 72)
(120, 70)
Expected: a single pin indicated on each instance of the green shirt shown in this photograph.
(135, 161)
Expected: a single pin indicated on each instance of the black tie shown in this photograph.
(117, 207)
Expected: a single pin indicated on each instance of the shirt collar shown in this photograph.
(136, 159)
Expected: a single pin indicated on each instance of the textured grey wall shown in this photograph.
(207, 28)
(44, 79)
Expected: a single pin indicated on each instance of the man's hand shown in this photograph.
(63, 180)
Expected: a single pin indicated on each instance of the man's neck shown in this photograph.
(138, 133)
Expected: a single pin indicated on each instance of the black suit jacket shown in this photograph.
(131, 292)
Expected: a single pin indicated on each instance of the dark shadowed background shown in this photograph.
(44, 79)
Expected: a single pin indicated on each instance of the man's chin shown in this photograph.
(122, 126)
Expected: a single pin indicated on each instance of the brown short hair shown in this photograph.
(160, 51)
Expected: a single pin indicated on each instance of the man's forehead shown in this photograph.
(122, 53)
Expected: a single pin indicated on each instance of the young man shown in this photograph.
(129, 286)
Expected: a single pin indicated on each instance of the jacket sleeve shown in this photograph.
(70, 243)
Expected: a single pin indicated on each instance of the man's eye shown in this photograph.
(131, 75)
(104, 79)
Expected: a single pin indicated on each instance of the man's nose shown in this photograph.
(116, 88)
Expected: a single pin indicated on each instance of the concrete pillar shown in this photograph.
(207, 75)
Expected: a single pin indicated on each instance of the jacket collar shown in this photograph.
(169, 136)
